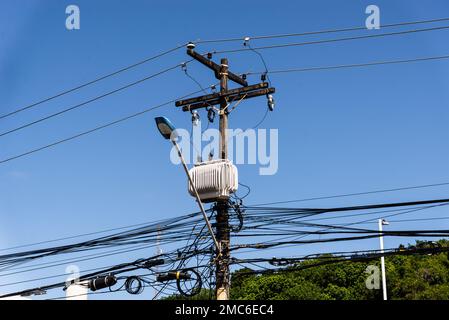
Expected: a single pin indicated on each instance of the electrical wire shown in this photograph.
(114, 73)
(347, 66)
(109, 124)
(337, 30)
(148, 223)
(84, 103)
(352, 257)
(356, 194)
(297, 44)
(263, 219)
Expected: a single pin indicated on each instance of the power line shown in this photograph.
(161, 221)
(365, 214)
(384, 216)
(356, 256)
(173, 229)
(95, 256)
(295, 241)
(126, 68)
(356, 194)
(109, 124)
(116, 269)
(405, 220)
(88, 101)
(287, 244)
(358, 65)
(300, 34)
(65, 92)
(363, 234)
(286, 45)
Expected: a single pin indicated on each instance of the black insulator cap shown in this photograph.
(102, 282)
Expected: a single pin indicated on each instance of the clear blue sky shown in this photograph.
(339, 131)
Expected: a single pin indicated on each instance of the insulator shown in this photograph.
(263, 77)
(190, 46)
(209, 55)
(270, 102)
(195, 118)
(211, 115)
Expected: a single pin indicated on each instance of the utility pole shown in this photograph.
(382, 222)
(222, 263)
(223, 98)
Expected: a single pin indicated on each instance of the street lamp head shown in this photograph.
(165, 127)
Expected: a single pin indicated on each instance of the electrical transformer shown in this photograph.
(214, 180)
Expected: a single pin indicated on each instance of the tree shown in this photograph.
(408, 277)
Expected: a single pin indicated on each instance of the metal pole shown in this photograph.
(223, 235)
(382, 259)
(200, 204)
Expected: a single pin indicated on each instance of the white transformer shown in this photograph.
(214, 180)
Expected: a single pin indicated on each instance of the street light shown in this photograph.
(383, 222)
(168, 131)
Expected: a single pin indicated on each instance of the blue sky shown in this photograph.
(339, 131)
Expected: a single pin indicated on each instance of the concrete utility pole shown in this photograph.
(382, 222)
(223, 98)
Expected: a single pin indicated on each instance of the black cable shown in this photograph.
(276, 242)
(333, 260)
(287, 35)
(210, 41)
(47, 265)
(359, 65)
(357, 194)
(84, 103)
(91, 82)
(117, 269)
(193, 79)
(385, 216)
(248, 190)
(263, 61)
(95, 129)
(148, 223)
(421, 219)
(135, 236)
(261, 121)
(286, 45)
